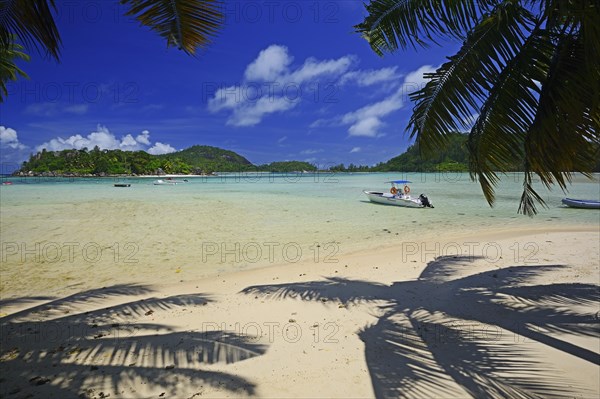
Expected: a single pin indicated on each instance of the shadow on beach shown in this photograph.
(453, 334)
(57, 348)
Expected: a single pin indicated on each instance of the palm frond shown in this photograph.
(32, 23)
(457, 89)
(497, 138)
(8, 68)
(564, 136)
(391, 24)
(186, 24)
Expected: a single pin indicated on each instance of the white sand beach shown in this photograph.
(510, 315)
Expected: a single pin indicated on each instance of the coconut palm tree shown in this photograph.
(185, 24)
(528, 70)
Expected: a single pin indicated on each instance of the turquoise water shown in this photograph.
(189, 228)
(453, 194)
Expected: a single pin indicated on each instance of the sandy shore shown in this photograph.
(499, 316)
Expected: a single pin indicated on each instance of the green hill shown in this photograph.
(454, 157)
(197, 159)
(287, 166)
(203, 158)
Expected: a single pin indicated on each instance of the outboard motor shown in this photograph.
(425, 201)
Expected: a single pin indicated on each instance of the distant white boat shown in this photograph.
(399, 196)
(577, 203)
(167, 182)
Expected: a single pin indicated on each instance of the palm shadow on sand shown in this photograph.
(447, 334)
(55, 349)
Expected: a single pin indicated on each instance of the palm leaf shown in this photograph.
(8, 68)
(564, 135)
(532, 79)
(32, 23)
(497, 138)
(457, 89)
(399, 23)
(186, 24)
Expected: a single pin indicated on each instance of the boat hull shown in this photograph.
(388, 199)
(583, 204)
(165, 183)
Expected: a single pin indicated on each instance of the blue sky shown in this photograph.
(284, 80)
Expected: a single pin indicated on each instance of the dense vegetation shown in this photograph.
(205, 159)
(194, 160)
(287, 166)
(453, 158)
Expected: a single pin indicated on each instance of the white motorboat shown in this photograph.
(166, 182)
(399, 195)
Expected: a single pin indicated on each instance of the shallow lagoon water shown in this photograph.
(61, 235)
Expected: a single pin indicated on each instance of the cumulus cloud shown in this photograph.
(366, 127)
(10, 139)
(270, 85)
(159, 148)
(106, 140)
(355, 149)
(270, 64)
(143, 138)
(12, 151)
(367, 121)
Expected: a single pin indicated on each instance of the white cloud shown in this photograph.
(227, 98)
(78, 109)
(143, 138)
(366, 127)
(310, 151)
(355, 149)
(101, 138)
(270, 85)
(9, 138)
(106, 140)
(282, 139)
(416, 78)
(52, 108)
(251, 113)
(313, 69)
(371, 77)
(160, 148)
(12, 151)
(367, 121)
(128, 143)
(378, 109)
(270, 64)
(41, 109)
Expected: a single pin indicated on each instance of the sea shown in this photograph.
(62, 235)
